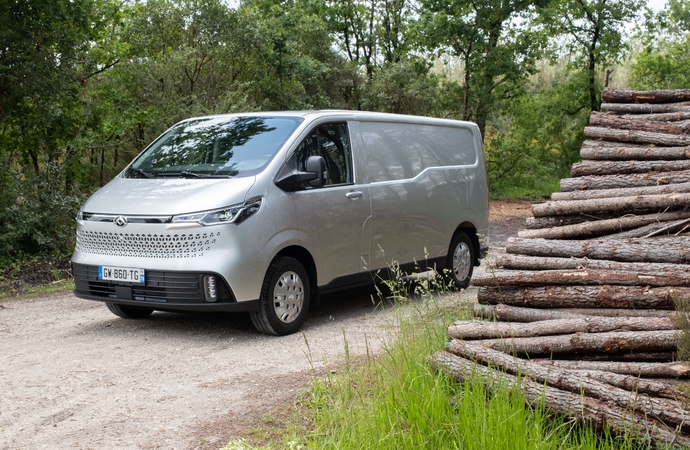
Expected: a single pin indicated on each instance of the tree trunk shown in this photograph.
(622, 192)
(633, 297)
(508, 313)
(626, 153)
(599, 227)
(519, 262)
(646, 108)
(637, 137)
(633, 384)
(536, 223)
(634, 250)
(669, 411)
(664, 117)
(614, 342)
(580, 277)
(479, 329)
(589, 168)
(613, 95)
(624, 181)
(598, 119)
(632, 203)
(556, 401)
(626, 357)
(636, 369)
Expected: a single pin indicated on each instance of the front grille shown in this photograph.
(143, 245)
(160, 286)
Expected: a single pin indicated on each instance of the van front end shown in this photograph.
(167, 263)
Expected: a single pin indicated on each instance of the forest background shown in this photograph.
(85, 85)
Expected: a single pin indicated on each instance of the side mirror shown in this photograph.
(316, 164)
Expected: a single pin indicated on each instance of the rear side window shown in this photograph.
(332, 142)
(397, 151)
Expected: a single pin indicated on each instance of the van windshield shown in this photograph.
(214, 148)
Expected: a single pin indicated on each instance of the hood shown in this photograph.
(165, 196)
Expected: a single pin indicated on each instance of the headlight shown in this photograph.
(80, 214)
(232, 214)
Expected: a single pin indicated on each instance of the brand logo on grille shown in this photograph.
(121, 221)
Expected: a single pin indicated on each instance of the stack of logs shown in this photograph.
(587, 292)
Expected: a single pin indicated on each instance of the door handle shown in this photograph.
(354, 194)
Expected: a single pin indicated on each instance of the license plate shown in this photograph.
(126, 274)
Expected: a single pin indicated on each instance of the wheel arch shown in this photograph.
(304, 257)
(470, 230)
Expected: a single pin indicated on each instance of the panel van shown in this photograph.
(265, 212)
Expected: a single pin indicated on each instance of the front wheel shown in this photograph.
(284, 300)
(460, 261)
(129, 312)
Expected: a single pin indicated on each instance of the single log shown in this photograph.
(669, 411)
(632, 250)
(584, 409)
(637, 137)
(634, 153)
(599, 119)
(520, 262)
(624, 181)
(635, 232)
(591, 168)
(669, 228)
(637, 369)
(646, 108)
(613, 342)
(632, 203)
(634, 297)
(633, 384)
(615, 95)
(600, 227)
(479, 329)
(508, 313)
(584, 277)
(664, 117)
(623, 192)
(627, 357)
(534, 223)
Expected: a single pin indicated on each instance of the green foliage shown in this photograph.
(664, 62)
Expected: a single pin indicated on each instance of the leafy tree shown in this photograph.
(496, 53)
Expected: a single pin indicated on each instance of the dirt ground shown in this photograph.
(72, 375)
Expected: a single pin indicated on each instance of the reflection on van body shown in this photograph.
(263, 212)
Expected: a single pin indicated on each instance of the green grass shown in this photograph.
(36, 291)
(395, 400)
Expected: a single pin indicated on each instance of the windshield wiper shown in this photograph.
(188, 174)
(141, 172)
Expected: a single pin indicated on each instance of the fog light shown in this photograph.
(210, 291)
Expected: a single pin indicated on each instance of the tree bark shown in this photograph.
(535, 223)
(578, 343)
(664, 117)
(519, 262)
(633, 384)
(614, 95)
(633, 250)
(598, 119)
(632, 203)
(634, 153)
(624, 181)
(626, 357)
(581, 277)
(622, 192)
(590, 168)
(599, 227)
(583, 409)
(480, 329)
(646, 108)
(669, 411)
(634, 233)
(632, 297)
(636, 369)
(508, 313)
(637, 137)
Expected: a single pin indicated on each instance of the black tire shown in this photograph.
(460, 262)
(129, 312)
(285, 296)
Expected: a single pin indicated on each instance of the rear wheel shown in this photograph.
(129, 312)
(460, 261)
(284, 301)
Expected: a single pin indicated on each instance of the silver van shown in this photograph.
(263, 212)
